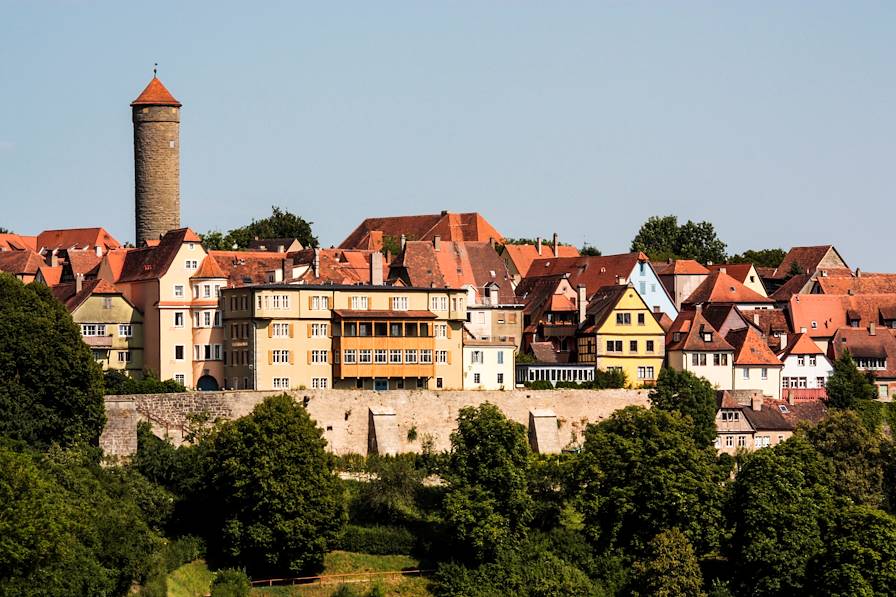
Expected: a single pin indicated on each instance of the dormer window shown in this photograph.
(853, 323)
(676, 336)
(707, 336)
(814, 325)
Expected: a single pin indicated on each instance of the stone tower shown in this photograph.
(156, 116)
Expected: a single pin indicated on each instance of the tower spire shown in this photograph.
(155, 70)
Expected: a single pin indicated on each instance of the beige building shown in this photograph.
(488, 365)
(288, 336)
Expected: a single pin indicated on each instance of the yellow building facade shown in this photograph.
(620, 332)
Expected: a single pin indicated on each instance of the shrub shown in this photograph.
(231, 582)
(183, 550)
(376, 540)
(345, 591)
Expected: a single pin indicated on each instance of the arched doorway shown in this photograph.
(207, 383)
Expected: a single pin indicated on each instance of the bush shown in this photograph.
(345, 591)
(541, 384)
(871, 412)
(231, 582)
(183, 550)
(376, 540)
(117, 383)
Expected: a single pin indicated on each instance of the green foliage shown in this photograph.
(390, 494)
(640, 472)
(760, 257)
(668, 568)
(117, 383)
(277, 504)
(51, 388)
(391, 245)
(795, 270)
(280, 224)
(345, 591)
(847, 385)
(183, 550)
(859, 556)
(684, 393)
(487, 505)
(589, 251)
(377, 540)
(663, 238)
(523, 358)
(779, 503)
(231, 582)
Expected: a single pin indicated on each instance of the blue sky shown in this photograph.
(775, 121)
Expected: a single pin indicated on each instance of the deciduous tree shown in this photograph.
(661, 237)
(847, 385)
(669, 568)
(691, 396)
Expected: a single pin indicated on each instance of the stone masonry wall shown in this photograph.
(344, 414)
(156, 171)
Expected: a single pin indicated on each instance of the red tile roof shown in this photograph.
(17, 242)
(863, 284)
(861, 343)
(800, 344)
(796, 285)
(68, 295)
(85, 262)
(593, 271)
(209, 269)
(522, 256)
(51, 275)
(751, 349)
(738, 271)
(149, 263)
(114, 261)
(155, 94)
(77, 237)
(18, 263)
(242, 268)
(688, 332)
(337, 266)
(449, 226)
(808, 259)
(720, 288)
(680, 267)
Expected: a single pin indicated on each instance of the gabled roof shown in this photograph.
(84, 262)
(861, 343)
(149, 263)
(51, 275)
(81, 238)
(68, 295)
(459, 264)
(523, 255)
(800, 344)
(17, 242)
(602, 304)
(536, 294)
(25, 262)
(863, 284)
(593, 271)
(114, 262)
(448, 226)
(771, 322)
(680, 267)
(691, 327)
(795, 285)
(750, 349)
(242, 268)
(738, 271)
(544, 353)
(273, 244)
(155, 94)
(209, 269)
(719, 287)
(337, 266)
(807, 259)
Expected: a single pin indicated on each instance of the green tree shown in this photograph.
(390, 495)
(641, 472)
(231, 582)
(691, 396)
(779, 503)
(661, 237)
(487, 505)
(669, 568)
(118, 383)
(589, 251)
(278, 504)
(760, 257)
(51, 389)
(847, 385)
(860, 554)
(280, 224)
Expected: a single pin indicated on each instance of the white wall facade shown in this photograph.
(807, 371)
(488, 367)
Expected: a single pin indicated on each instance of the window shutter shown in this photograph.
(270, 357)
(309, 301)
(270, 330)
(309, 330)
(292, 357)
(369, 302)
(292, 328)
(449, 355)
(309, 357)
(447, 330)
(329, 356)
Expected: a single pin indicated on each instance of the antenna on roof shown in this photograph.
(155, 69)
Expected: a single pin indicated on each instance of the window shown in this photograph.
(379, 355)
(319, 329)
(623, 319)
(441, 330)
(729, 416)
(746, 373)
(399, 303)
(350, 357)
(179, 378)
(217, 322)
(476, 357)
(206, 291)
(318, 356)
(500, 378)
(642, 288)
(410, 356)
(280, 330)
(882, 391)
(801, 361)
(707, 337)
(281, 383)
(191, 264)
(207, 319)
(439, 303)
(441, 356)
(178, 319)
(698, 358)
(476, 378)
(819, 382)
(319, 383)
(814, 325)
(279, 356)
(741, 441)
(500, 357)
(438, 383)
(359, 303)
(124, 356)
(426, 356)
(813, 360)
(640, 319)
(720, 358)
(729, 441)
(364, 356)
(93, 329)
(320, 303)
(614, 345)
(645, 372)
(763, 374)
(107, 302)
(179, 290)
(633, 346)
(179, 352)
(395, 356)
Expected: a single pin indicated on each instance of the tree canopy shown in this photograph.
(691, 396)
(760, 257)
(280, 224)
(846, 386)
(669, 568)
(51, 388)
(661, 238)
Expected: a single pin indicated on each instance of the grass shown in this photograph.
(190, 580)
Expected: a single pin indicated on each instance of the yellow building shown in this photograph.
(287, 336)
(620, 332)
(110, 324)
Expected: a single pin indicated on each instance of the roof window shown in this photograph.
(783, 409)
(707, 337)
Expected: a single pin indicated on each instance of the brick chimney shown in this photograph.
(404, 241)
(581, 302)
(79, 282)
(376, 269)
(436, 242)
(315, 265)
(555, 244)
(756, 402)
(872, 329)
(538, 245)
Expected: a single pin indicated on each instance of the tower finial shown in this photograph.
(155, 69)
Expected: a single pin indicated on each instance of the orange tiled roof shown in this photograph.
(751, 349)
(680, 267)
(247, 267)
(149, 263)
(738, 271)
(209, 269)
(522, 256)
(77, 237)
(68, 295)
(455, 265)
(337, 266)
(861, 343)
(807, 260)
(593, 272)
(719, 287)
(690, 329)
(800, 344)
(863, 284)
(449, 226)
(25, 262)
(155, 94)
(17, 242)
(51, 275)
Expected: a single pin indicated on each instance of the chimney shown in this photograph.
(698, 307)
(872, 329)
(436, 242)
(315, 265)
(538, 245)
(581, 302)
(444, 212)
(783, 336)
(709, 263)
(404, 241)
(756, 319)
(376, 269)
(790, 399)
(54, 258)
(724, 270)
(756, 402)
(281, 248)
(555, 244)
(858, 273)
(99, 251)
(278, 273)
(285, 270)
(79, 282)
(802, 330)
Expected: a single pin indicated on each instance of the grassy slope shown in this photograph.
(190, 580)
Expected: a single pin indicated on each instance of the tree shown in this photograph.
(860, 554)
(589, 251)
(280, 224)
(777, 507)
(691, 396)
(277, 504)
(663, 238)
(5, 230)
(640, 472)
(847, 385)
(118, 383)
(231, 582)
(51, 389)
(669, 568)
(760, 257)
(487, 505)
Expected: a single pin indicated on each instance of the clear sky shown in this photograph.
(773, 120)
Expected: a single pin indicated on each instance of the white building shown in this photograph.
(805, 365)
(488, 365)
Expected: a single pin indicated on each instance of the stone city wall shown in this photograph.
(358, 421)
